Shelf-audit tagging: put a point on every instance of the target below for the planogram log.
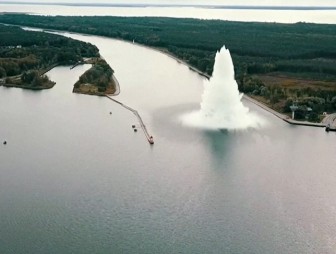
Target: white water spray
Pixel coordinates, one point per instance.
(221, 106)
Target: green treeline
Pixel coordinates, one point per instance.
(34, 78)
(312, 99)
(31, 53)
(256, 47)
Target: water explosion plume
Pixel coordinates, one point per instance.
(221, 106)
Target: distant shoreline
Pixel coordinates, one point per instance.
(200, 6)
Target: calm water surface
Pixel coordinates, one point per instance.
(75, 179)
(282, 16)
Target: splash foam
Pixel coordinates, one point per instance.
(221, 106)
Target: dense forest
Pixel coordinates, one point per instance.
(26, 55)
(256, 47)
(268, 57)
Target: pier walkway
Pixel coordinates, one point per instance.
(143, 126)
(49, 68)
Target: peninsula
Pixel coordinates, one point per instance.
(25, 57)
(98, 80)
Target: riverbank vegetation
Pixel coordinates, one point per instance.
(30, 80)
(25, 56)
(278, 64)
(98, 80)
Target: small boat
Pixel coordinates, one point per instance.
(151, 140)
(5, 142)
(135, 130)
(133, 126)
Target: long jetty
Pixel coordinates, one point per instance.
(143, 126)
(49, 68)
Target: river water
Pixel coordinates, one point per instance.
(75, 179)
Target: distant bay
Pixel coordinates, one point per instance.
(280, 14)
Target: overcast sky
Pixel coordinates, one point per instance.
(223, 2)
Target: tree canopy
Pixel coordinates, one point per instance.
(22, 50)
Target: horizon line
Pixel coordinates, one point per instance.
(204, 6)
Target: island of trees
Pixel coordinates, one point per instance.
(98, 80)
(278, 64)
(25, 57)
